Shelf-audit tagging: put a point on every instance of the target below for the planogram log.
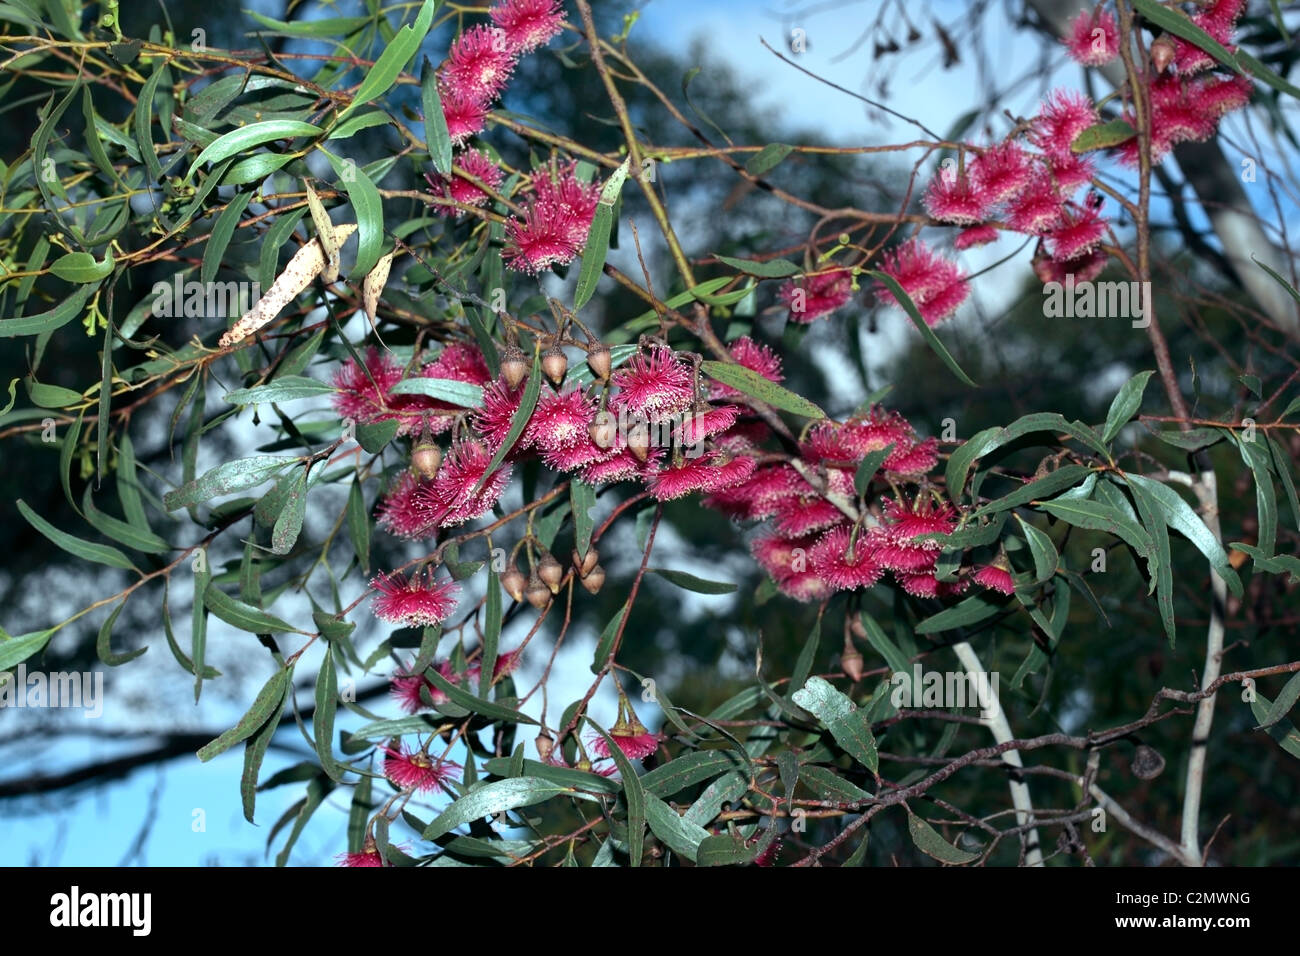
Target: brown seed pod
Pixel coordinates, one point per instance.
(514, 366)
(514, 583)
(603, 430)
(425, 459)
(598, 360)
(545, 745)
(585, 564)
(551, 572)
(1147, 763)
(638, 441)
(851, 661)
(538, 594)
(1162, 52)
(555, 363)
(594, 579)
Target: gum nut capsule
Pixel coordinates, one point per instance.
(551, 572)
(603, 430)
(585, 564)
(555, 364)
(1162, 53)
(514, 366)
(545, 745)
(538, 594)
(594, 579)
(514, 583)
(851, 661)
(598, 360)
(425, 459)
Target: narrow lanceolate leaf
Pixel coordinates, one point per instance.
(226, 478)
(1284, 732)
(369, 207)
(1103, 136)
(325, 235)
(133, 536)
(307, 263)
(678, 834)
(582, 498)
(496, 797)
(81, 548)
(868, 467)
(1099, 516)
(266, 706)
(634, 793)
(286, 388)
(1043, 550)
(243, 616)
(359, 524)
(756, 386)
(597, 246)
(771, 269)
(847, 724)
(288, 525)
(254, 752)
(435, 120)
(929, 842)
(768, 158)
(322, 721)
(1150, 511)
(1178, 514)
(690, 582)
(927, 333)
(104, 642)
(1125, 405)
(246, 138)
(82, 267)
(464, 394)
(380, 77)
(62, 313)
(16, 649)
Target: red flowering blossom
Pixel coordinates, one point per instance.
(415, 770)
(1037, 209)
(492, 420)
(560, 420)
(465, 112)
(1064, 115)
(1093, 39)
(543, 238)
(994, 578)
(401, 512)
(814, 296)
(654, 383)
(621, 465)
(527, 24)
(681, 478)
(903, 558)
(1079, 232)
(357, 397)
(417, 601)
(1069, 173)
(1085, 268)
(704, 421)
(460, 362)
(1219, 20)
(753, 356)
(369, 856)
(905, 522)
(562, 188)
(935, 285)
(912, 461)
(479, 64)
(844, 563)
(460, 189)
(1001, 172)
(634, 746)
(452, 498)
(955, 198)
(980, 235)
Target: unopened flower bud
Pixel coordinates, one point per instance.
(514, 366)
(555, 364)
(594, 579)
(545, 745)
(514, 583)
(425, 459)
(584, 564)
(538, 594)
(1162, 52)
(551, 572)
(598, 360)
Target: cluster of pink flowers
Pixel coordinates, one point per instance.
(408, 689)
(365, 395)
(554, 225)
(475, 73)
